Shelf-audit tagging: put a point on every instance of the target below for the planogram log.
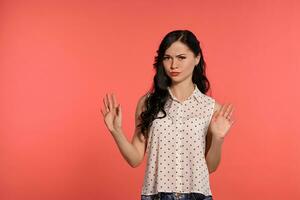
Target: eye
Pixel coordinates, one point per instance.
(181, 58)
(165, 58)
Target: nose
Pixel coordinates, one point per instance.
(174, 64)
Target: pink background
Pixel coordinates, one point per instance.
(58, 60)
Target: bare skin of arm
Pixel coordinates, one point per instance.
(133, 152)
(213, 148)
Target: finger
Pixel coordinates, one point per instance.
(222, 110)
(109, 103)
(228, 111)
(103, 114)
(105, 104)
(114, 100)
(225, 109)
(230, 114)
(215, 115)
(119, 111)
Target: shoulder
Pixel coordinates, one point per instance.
(141, 102)
(217, 106)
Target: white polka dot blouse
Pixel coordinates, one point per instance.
(176, 147)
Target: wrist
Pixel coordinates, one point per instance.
(118, 131)
(218, 139)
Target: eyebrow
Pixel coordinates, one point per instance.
(177, 55)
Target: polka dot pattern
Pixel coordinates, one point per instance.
(176, 147)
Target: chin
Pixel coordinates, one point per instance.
(175, 80)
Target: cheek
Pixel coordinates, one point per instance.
(189, 66)
(166, 64)
(166, 68)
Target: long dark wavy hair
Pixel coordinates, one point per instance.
(158, 94)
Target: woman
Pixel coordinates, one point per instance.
(178, 126)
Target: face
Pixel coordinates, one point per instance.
(179, 58)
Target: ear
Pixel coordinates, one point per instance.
(198, 59)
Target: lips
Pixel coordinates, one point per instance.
(174, 73)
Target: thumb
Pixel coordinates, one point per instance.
(215, 115)
(119, 110)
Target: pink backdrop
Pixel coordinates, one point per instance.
(58, 60)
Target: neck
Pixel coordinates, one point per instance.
(182, 90)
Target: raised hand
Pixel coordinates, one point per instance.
(221, 121)
(112, 114)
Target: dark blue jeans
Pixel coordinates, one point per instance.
(174, 196)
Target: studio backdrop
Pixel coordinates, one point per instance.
(58, 59)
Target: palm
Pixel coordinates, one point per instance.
(112, 114)
(221, 122)
(220, 126)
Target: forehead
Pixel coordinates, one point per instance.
(177, 48)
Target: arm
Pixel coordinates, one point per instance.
(213, 152)
(213, 148)
(133, 152)
(218, 128)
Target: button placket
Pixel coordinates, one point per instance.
(178, 124)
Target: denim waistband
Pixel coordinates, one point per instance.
(174, 195)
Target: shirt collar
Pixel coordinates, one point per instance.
(196, 94)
